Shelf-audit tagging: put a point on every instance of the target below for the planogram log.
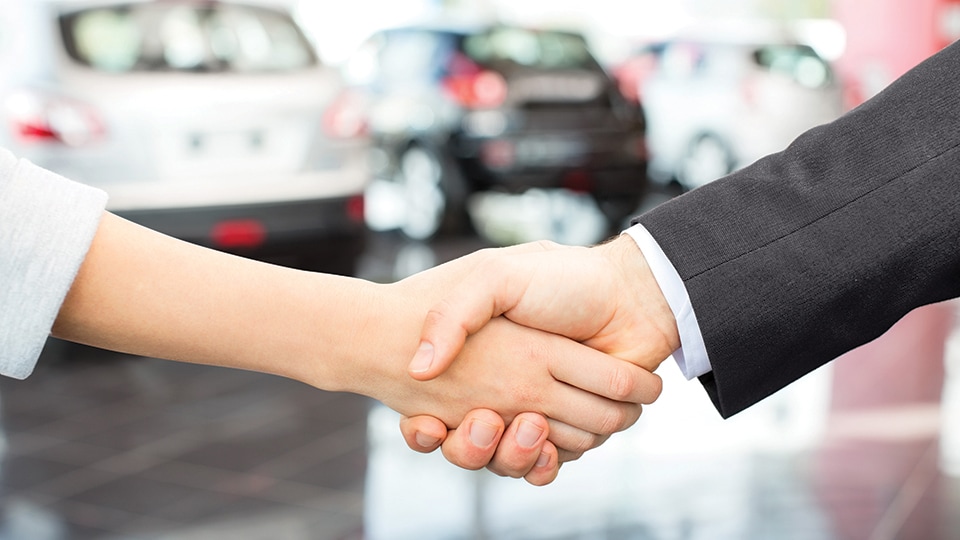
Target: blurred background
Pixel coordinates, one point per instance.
(378, 138)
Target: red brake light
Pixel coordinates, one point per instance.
(38, 118)
(473, 87)
(240, 233)
(356, 208)
(578, 181)
(345, 117)
(486, 89)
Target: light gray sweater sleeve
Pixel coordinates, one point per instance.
(46, 226)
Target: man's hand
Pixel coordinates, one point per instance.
(605, 297)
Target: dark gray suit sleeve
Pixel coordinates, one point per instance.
(821, 248)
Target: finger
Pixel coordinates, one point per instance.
(607, 376)
(572, 441)
(521, 446)
(423, 433)
(473, 444)
(547, 467)
(588, 411)
(492, 290)
(566, 456)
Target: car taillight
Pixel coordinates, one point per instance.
(578, 181)
(473, 87)
(345, 117)
(38, 118)
(484, 90)
(356, 208)
(239, 233)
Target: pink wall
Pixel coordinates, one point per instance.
(885, 38)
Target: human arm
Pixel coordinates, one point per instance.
(46, 225)
(820, 248)
(145, 293)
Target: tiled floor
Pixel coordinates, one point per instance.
(108, 446)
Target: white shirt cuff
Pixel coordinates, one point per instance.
(692, 354)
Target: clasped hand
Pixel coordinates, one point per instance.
(601, 300)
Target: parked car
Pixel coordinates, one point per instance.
(213, 122)
(715, 106)
(457, 111)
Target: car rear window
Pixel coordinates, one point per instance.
(185, 37)
(799, 62)
(536, 49)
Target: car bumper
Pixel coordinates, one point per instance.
(327, 234)
(601, 164)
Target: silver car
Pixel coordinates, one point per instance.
(211, 121)
(714, 106)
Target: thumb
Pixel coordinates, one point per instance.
(487, 292)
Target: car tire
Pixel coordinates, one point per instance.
(427, 183)
(420, 176)
(707, 158)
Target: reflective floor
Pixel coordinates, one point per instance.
(100, 445)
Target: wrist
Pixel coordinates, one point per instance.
(637, 283)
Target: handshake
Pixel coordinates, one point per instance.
(517, 359)
(531, 355)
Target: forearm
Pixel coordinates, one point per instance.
(145, 293)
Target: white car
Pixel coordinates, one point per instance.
(715, 106)
(213, 122)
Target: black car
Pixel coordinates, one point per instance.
(456, 111)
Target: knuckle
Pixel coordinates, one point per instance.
(587, 441)
(566, 456)
(437, 314)
(656, 388)
(614, 419)
(622, 383)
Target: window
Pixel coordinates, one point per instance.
(550, 50)
(184, 37)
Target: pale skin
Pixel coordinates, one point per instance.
(144, 293)
(605, 297)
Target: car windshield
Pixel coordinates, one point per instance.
(537, 49)
(185, 37)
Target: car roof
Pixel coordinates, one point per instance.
(470, 27)
(73, 5)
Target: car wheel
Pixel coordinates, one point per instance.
(420, 177)
(707, 159)
(619, 209)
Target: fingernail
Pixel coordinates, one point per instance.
(543, 460)
(482, 433)
(528, 434)
(426, 441)
(423, 359)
